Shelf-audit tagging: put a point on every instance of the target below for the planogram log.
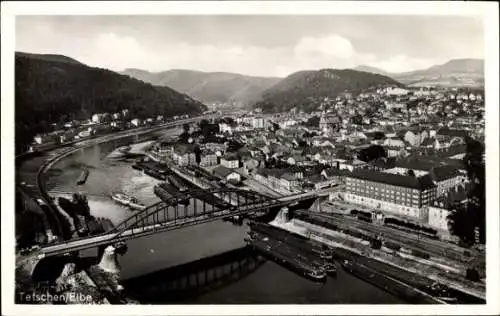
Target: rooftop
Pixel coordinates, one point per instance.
(420, 183)
(445, 172)
(222, 172)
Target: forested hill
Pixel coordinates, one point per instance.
(305, 89)
(53, 88)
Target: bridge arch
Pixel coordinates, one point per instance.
(217, 204)
(168, 215)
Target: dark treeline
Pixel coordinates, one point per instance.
(57, 90)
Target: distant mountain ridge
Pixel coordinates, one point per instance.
(208, 87)
(304, 89)
(54, 88)
(454, 73)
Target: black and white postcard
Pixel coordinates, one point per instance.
(250, 158)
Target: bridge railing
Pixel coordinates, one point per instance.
(169, 211)
(168, 215)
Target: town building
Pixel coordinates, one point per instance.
(446, 178)
(42, 139)
(258, 122)
(136, 122)
(283, 180)
(438, 216)
(225, 128)
(250, 164)
(226, 174)
(396, 91)
(329, 122)
(208, 158)
(183, 155)
(97, 118)
(230, 160)
(398, 195)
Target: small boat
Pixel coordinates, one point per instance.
(124, 149)
(317, 275)
(126, 200)
(83, 177)
(441, 292)
(325, 254)
(330, 268)
(136, 205)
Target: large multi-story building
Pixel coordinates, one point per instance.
(394, 194)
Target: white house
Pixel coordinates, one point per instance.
(258, 122)
(136, 122)
(226, 174)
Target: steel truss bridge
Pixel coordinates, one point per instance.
(204, 206)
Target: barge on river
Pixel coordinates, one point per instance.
(165, 191)
(177, 184)
(284, 255)
(391, 285)
(83, 177)
(298, 241)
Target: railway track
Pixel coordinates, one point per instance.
(431, 246)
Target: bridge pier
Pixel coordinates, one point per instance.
(109, 261)
(100, 251)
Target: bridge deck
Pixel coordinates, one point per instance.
(136, 232)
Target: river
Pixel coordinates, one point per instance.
(193, 252)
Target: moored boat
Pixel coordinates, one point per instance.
(83, 177)
(129, 201)
(124, 149)
(136, 205)
(286, 256)
(155, 174)
(177, 184)
(330, 268)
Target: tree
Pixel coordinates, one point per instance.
(203, 123)
(357, 119)
(378, 135)
(460, 224)
(470, 217)
(197, 152)
(371, 153)
(208, 129)
(312, 121)
(274, 126)
(410, 173)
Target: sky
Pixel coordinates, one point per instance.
(258, 45)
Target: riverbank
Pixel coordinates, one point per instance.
(79, 279)
(408, 268)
